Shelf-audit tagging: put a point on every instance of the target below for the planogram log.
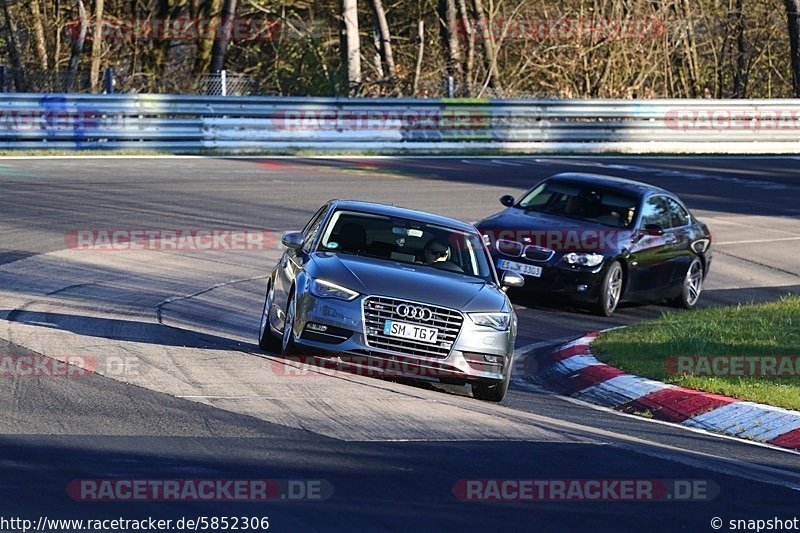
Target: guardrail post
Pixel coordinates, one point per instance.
(109, 81)
(450, 87)
(223, 80)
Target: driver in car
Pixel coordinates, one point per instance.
(435, 252)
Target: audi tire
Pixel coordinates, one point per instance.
(492, 391)
(266, 340)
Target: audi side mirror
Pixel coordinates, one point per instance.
(293, 240)
(507, 200)
(512, 279)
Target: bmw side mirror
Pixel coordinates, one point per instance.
(507, 200)
(512, 279)
(654, 230)
(293, 240)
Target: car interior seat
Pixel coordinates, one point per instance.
(352, 238)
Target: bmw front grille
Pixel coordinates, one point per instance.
(378, 309)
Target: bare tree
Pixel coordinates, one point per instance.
(77, 46)
(206, 9)
(420, 56)
(12, 45)
(97, 42)
(740, 68)
(38, 34)
(220, 47)
(351, 46)
(489, 49)
(793, 16)
(448, 31)
(385, 37)
(469, 33)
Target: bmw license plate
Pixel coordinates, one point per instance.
(410, 331)
(522, 268)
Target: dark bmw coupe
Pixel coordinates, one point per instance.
(601, 240)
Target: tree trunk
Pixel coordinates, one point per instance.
(378, 56)
(97, 43)
(469, 32)
(351, 47)
(793, 15)
(13, 49)
(740, 74)
(489, 50)
(207, 9)
(77, 47)
(385, 38)
(220, 47)
(38, 34)
(448, 31)
(420, 54)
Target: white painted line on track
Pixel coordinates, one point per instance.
(506, 163)
(759, 241)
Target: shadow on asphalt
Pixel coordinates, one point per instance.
(125, 330)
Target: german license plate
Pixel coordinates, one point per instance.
(522, 268)
(394, 328)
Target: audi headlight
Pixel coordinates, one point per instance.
(498, 321)
(326, 289)
(585, 259)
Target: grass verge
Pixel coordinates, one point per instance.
(751, 352)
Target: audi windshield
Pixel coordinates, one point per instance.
(406, 241)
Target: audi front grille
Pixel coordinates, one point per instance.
(377, 310)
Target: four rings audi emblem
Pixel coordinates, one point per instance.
(415, 312)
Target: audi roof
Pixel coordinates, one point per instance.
(394, 211)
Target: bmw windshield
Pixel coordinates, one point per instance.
(406, 241)
(582, 201)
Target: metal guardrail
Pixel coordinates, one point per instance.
(196, 123)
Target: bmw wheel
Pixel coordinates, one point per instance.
(692, 286)
(611, 291)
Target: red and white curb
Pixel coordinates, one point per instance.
(572, 370)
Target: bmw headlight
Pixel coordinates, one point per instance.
(326, 289)
(584, 259)
(498, 321)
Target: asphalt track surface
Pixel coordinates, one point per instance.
(195, 399)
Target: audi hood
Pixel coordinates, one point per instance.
(419, 283)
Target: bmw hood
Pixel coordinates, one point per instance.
(418, 283)
(550, 231)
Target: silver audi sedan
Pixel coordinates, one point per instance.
(400, 292)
